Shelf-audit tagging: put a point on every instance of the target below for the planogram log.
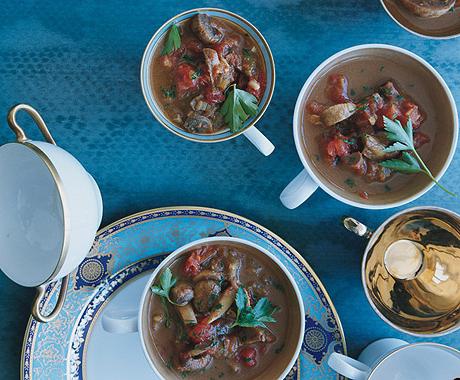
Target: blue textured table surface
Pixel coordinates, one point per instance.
(79, 66)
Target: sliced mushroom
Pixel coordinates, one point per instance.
(181, 293)
(192, 364)
(204, 30)
(206, 294)
(220, 71)
(223, 304)
(337, 113)
(196, 123)
(376, 172)
(233, 270)
(208, 274)
(356, 163)
(259, 335)
(198, 104)
(374, 149)
(187, 314)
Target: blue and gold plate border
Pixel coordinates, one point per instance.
(136, 244)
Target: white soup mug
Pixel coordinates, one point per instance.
(50, 211)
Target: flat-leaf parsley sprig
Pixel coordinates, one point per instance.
(403, 141)
(173, 41)
(257, 316)
(238, 107)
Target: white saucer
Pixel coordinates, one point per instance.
(118, 356)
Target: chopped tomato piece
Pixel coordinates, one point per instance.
(315, 108)
(420, 139)
(248, 356)
(391, 111)
(186, 78)
(410, 110)
(192, 265)
(337, 88)
(213, 95)
(201, 332)
(335, 148)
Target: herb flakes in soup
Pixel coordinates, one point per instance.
(208, 75)
(224, 307)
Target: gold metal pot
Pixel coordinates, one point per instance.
(411, 270)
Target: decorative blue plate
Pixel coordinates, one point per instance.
(128, 249)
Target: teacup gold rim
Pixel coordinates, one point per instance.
(427, 36)
(222, 240)
(63, 202)
(372, 241)
(271, 63)
(297, 126)
(407, 346)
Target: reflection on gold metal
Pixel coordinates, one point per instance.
(416, 288)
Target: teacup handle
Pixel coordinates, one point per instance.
(298, 191)
(22, 137)
(37, 312)
(19, 132)
(120, 321)
(259, 140)
(355, 226)
(348, 367)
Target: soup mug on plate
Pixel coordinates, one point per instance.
(50, 211)
(249, 130)
(431, 92)
(125, 321)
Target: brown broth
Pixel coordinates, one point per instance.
(443, 26)
(163, 77)
(252, 270)
(364, 76)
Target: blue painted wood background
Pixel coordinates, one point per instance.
(78, 64)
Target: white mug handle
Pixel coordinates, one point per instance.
(298, 191)
(259, 141)
(348, 367)
(120, 321)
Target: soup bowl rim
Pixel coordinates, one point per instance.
(147, 59)
(376, 235)
(220, 240)
(298, 125)
(410, 30)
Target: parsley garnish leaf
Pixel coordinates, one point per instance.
(238, 107)
(173, 41)
(403, 141)
(257, 316)
(167, 281)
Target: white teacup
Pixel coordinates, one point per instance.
(127, 321)
(50, 211)
(433, 95)
(396, 359)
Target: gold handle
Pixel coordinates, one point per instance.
(19, 132)
(36, 310)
